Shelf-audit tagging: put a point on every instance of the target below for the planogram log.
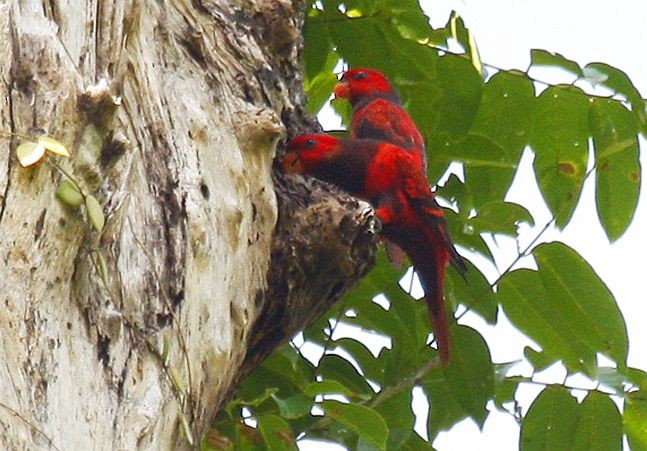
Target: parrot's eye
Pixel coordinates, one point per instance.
(360, 75)
(310, 143)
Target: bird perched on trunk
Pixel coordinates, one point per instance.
(390, 178)
(378, 113)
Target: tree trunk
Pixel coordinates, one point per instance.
(134, 337)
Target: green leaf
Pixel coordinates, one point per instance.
(383, 278)
(445, 410)
(248, 438)
(320, 87)
(364, 421)
(470, 374)
(550, 422)
(293, 407)
(599, 426)
(353, 37)
(543, 58)
(488, 170)
(465, 37)
(539, 360)
(473, 291)
(337, 368)
(68, 192)
(612, 378)
(635, 419)
(617, 81)
(276, 433)
(327, 387)
(506, 111)
(29, 153)
(319, 91)
(566, 308)
(368, 363)
(286, 370)
(614, 79)
(463, 234)
(618, 174)
(409, 348)
(317, 45)
(463, 387)
(559, 138)
(407, 17)
(396, 411)
(500, 217)
(259, 399)
(460, 88)
(637, 376)
(415, 443)
(95, 212)
(504, 390)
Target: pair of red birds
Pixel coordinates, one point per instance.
(385, 164)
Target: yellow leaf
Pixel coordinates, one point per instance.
(29, 153)
(53, 146)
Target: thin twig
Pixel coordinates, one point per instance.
(58, 167)
(31, 426)
(332, 331)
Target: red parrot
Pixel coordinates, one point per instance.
(390, 178)
(378, 112)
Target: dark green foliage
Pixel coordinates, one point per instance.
(556, 421)
(485, 121)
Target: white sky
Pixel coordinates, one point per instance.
(584, 31)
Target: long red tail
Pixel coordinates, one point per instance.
(431, 271)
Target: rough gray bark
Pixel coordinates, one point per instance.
(173, 111)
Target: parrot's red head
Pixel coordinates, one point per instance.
(305, 152)
(362, 83)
